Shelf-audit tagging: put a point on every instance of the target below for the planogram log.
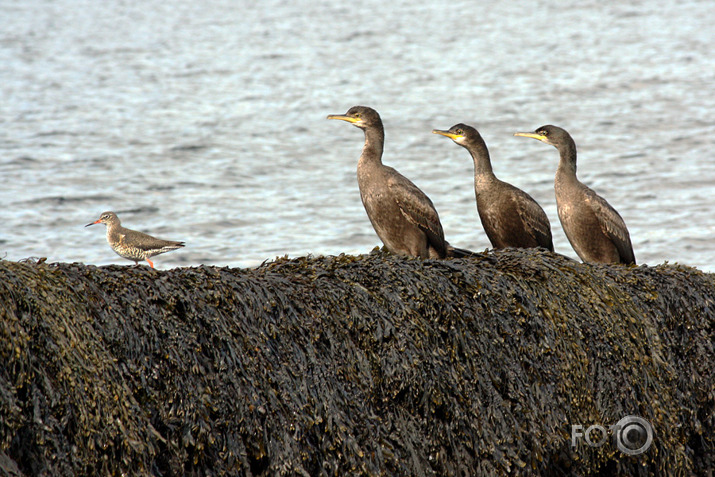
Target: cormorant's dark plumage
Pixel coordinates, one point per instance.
(595, 229)
(402, 215)
(510, 216)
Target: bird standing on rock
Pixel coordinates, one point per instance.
(595, 229)
(133, 245)
(510, 216)
(402, 215)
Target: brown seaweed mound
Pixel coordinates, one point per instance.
(367, 365)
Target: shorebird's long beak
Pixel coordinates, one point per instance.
(92, 223)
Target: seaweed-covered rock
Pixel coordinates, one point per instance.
(367, 365)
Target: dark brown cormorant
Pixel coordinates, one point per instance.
(510, 216)
(130, 244)
(402, 215)
(595, 229)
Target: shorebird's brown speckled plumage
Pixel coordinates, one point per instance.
(133, 245)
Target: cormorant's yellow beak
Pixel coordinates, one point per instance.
(450, 135)
(540, 137)
(342, 117)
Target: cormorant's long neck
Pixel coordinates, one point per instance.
(482, 163)
(374, 143)
(566, 172)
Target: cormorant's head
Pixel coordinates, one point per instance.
(360, 116)
(460, 133)
(549, 134)
(106, 218)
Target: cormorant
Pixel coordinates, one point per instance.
(510, 216)
(402, 215)
(595, 229)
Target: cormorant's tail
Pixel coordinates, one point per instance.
(454, 252)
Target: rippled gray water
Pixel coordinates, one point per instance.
(205, 121)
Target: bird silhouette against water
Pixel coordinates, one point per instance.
(595, 229)
(133, 245)
(402, 215)
(510, 216)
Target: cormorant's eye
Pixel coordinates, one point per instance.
(357, 115)
(460, 132)
(544, 133)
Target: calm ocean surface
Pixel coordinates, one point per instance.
(205, 121)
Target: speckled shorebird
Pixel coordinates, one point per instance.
(133, 245)
(595, 229)
(402, 215)
(510, 216)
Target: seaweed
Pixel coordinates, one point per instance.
(354, 365)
